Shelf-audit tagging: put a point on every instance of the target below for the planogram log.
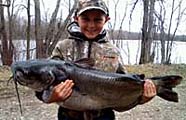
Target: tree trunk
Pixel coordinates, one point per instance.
(162, 40)
(161, 19)
(144, 46)
(6, 48)
(167, 60)
(28, 32)
(151, 32)
(40, 47)
(147, 32)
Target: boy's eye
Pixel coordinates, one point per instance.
(98, 20)
(85, 19)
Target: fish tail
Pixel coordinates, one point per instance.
(168, 94)
(165, 85)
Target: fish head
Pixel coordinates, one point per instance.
(36, 76)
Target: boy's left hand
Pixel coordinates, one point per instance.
(149, 89)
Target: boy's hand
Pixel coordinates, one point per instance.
(149, 91)
(61, 91)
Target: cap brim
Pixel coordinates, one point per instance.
(90, 8)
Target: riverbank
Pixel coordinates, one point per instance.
(33, 109)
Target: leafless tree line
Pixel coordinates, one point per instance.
(155, 22)
(45, 42)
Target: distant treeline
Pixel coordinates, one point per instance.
(125, 35)
(20, 32)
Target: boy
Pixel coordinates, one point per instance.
(88, 40)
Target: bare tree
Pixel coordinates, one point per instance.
(119, 42)
(44, 47)
(51, 27)
(4, 5)
(10, 19)
(62, 28)
(161, 22)
(40, 46)
(132, 10)
(6, 48)
(115, 19)
(28, 30)
(170, 37)
(147, 31)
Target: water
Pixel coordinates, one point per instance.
(130, 51)
(20, 49)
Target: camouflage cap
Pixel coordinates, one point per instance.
(85, 5)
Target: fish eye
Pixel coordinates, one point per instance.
(48, 77)
(19, 70)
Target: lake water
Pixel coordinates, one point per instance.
(130, 51)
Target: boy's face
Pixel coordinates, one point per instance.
(91, 22)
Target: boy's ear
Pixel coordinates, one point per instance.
(107, 19)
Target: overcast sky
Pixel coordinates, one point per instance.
(137, 14)
(49, 5)
(120, 13)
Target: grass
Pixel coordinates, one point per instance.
(157, 69)
(157, 109)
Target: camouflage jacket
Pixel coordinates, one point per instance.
(106, 56)
(77, 46)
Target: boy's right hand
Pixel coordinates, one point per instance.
(61, 91)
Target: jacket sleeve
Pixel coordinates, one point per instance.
(57, 53)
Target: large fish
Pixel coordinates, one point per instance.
(93, 89)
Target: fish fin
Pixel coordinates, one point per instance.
(128, 107)
(77, 89)
(60, 79)
(169, 81)
(165, 85)
(60, 76)
(85, 62)
(168, 94)
(122, 109)
(140, 76)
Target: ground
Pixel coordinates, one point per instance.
(33, 109)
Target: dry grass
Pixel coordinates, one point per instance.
(157, 109)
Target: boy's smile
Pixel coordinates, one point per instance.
(91, 22)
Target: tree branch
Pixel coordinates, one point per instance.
(5, 5)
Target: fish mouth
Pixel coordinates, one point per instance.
(19, 77)
(35, 83)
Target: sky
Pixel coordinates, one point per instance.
(137, 17)
(120, 13)
(47, 7)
